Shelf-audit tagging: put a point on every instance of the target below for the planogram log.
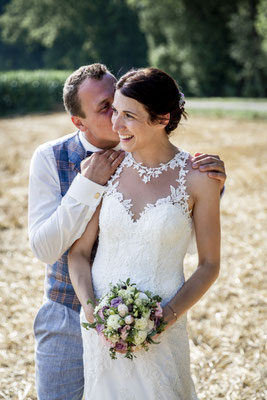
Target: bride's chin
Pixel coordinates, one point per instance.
(129, 147)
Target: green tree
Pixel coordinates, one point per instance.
(75, 33)
(247, 49)
(17, 55)
(191, 41)
(212, 48)
(261, 23)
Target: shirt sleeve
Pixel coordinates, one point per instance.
(55, 222)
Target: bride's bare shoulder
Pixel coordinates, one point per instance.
(199, 182)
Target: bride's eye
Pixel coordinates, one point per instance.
(114, 110)
(129, 116)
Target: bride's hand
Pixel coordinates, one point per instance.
(168, 316)
(88, 311)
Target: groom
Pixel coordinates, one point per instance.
(67, 181)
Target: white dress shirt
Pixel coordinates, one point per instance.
(55, 222)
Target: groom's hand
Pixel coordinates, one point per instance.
(101, 165)
(211, 164)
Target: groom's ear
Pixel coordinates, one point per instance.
(77, 121)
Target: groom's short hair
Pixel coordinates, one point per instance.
(70, 91)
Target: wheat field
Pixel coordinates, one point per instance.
(227, 328)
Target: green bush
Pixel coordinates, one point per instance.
(23, 92)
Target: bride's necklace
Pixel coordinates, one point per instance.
(146, 173)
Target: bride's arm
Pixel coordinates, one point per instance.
(206, 212)
(79, 265)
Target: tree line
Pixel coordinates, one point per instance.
(212, 48)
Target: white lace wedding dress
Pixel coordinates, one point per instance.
(144, 234)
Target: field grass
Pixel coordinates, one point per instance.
(226, 327)
(228, 107)
(229, 114)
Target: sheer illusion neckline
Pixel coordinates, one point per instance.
(177, 196)
(146, 173)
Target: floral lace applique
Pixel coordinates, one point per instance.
(127, 203)
(178, 196)
(146, 173)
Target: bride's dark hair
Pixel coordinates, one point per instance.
(157, 91)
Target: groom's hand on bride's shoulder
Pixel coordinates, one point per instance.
(101, 165)
(212, 164)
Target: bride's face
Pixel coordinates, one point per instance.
(132, 123)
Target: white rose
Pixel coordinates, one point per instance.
(140, 323)
(143, 296)
(122, 292)
(138, 302)
(130, 289)
(128, 319)
(150, 325)
(114, 338)
(122, 310)
(113, 322)
(104, 302)
(140, 337)
(146, 315)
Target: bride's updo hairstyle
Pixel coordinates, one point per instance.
(157, 91)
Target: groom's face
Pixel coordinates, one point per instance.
(96, 97)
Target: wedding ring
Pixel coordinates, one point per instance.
(111, 156)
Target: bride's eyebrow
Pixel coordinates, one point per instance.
(128, 112)
(124, 111)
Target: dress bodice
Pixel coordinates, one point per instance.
(145, 229)
(152, 247)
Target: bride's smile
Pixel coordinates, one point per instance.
(137, 133)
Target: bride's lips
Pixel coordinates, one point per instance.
(125, 138)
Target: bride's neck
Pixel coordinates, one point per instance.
(155, 154)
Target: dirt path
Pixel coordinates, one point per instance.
(226, 327)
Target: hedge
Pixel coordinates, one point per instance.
(23, 92)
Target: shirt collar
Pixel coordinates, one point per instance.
(90, 147)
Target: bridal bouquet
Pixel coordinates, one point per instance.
(127, 318)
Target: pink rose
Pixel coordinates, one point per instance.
(158, 311)
(124, 332)
(121, 345)
(99, 328)
(106, 340)
(101, 312)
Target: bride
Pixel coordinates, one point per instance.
(144, 225)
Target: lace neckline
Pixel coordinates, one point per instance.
(178, 196)
(146, 173)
